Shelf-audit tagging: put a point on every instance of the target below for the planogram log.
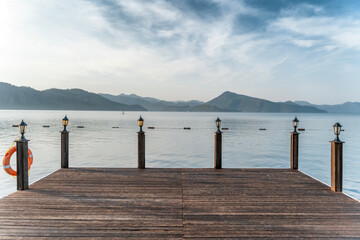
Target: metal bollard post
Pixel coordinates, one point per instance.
(64, 149)
(218, 150)
(22, 165)
(141, 144)
(141, 149)
(294, 147)
(336, 166)
(218, 146)
(65, 144)
(337, 160)
(294, 151)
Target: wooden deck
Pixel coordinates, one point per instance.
(178, 203)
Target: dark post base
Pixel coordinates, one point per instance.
(22, 165)
(218, 150)
(64, 149)
(336, 166)
(141, 150)
(294, 151)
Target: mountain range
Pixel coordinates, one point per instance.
(345, 108)
(13, 97)
(226, 102)
(153, 104)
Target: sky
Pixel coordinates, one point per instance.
(190, 49)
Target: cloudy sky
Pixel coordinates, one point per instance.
(189, 49)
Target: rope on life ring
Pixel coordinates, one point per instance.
(7, 157)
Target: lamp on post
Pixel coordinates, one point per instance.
(294, 146)
(22, 129)
(218, 124)
(22, 174)
(141, 123)
(218, 145)
(141, 144)
(295, 123)
(65, 122)
(65, 144)
(337, 129)
(337, 160)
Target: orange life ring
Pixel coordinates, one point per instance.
(7, 157)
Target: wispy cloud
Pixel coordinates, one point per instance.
(176, 49)
(304, 42)
(340, 32)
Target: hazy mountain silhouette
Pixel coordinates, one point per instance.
(229, 101)
(12, 97)
(153, 104)
(345, 108)
(226, 102)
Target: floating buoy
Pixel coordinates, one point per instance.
(187, 128)
(151, 127)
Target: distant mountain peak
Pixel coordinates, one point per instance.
(303, 103)
(228, 93)
(241, 103)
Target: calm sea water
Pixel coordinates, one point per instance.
(170, 146)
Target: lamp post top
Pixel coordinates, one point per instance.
(141, 124)
(218, 124)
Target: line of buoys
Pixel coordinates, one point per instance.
(185, 128)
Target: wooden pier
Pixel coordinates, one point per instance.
(178, 203)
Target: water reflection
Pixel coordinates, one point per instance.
(98, 144)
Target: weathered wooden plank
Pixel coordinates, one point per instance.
(265, 204)
(178, 203)
(97, 203)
